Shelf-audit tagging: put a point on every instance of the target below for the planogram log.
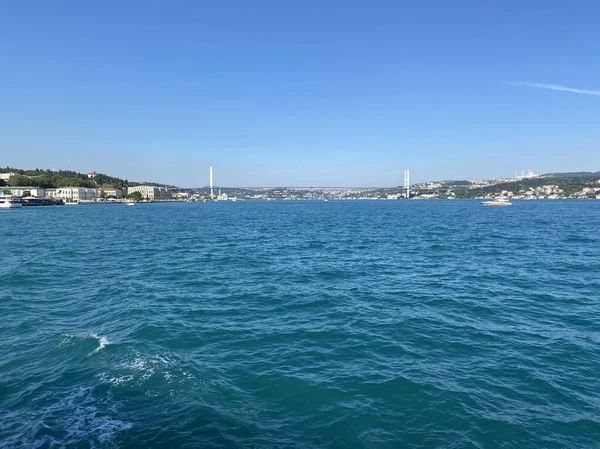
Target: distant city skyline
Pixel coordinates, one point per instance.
(273, 93)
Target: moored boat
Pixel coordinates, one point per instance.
(34, 201)
(497, 202)
(10, 201)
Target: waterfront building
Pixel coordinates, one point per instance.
(38, 192)
(72, 194)
(108, 191)
(151, 192)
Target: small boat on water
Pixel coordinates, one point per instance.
(10, 201)
(129, 203)
(497, 202)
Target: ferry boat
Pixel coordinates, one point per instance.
(34, 201)
(497, 202)
(10, 201)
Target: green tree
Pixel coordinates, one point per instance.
(6, 191)
(75, 182)
(102, 195)
(26, 193)
(136, 196)
(20, 180)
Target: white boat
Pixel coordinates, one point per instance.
(129, 203)
(497, 202)
(10, 201)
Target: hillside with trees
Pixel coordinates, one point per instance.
(570, 183)
(66, 178)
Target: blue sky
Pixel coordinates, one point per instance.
(299, 93)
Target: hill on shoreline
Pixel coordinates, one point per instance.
(46, 178)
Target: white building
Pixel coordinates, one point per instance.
(109, 192)
(72, 194)
(151, 192)
(530, 174)
(33, 191)
(5, 176)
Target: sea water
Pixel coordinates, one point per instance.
(350, 324)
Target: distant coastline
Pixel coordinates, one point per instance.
(579, 185)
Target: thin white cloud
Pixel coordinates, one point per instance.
(557, 87)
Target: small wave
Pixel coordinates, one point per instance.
(160, 370)
(148, 366)
(70, 339)
(115, 379)
(67, 340)
(102, 342)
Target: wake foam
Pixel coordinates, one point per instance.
(102, 342)
(151, 372)
(71, 339)
(81, 418)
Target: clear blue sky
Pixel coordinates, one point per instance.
(299, 92)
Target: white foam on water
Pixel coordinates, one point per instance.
(116, 379)
(67, 340)
(145, 367)
(84, 421)
(102, 342)
(77, 419)
(70, 339)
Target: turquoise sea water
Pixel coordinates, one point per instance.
(375, 324)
